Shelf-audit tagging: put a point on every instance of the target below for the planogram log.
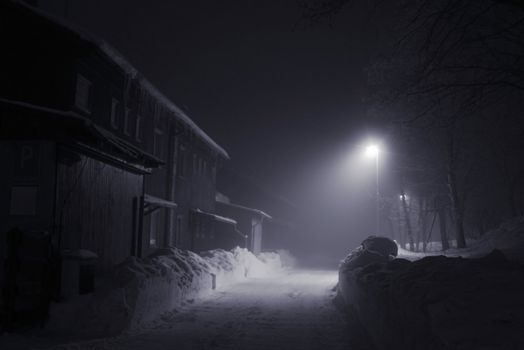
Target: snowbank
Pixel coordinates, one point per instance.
(278, 259)
(436, 302)
(141, 290)
(508, 238)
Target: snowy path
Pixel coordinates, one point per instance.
(291, 311)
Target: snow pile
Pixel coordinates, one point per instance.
(508, 238)
(287, 260)
(159, 283)
(232, 266)
(141, 290)
(436, 302)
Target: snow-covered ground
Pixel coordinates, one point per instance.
(292, 310)
(167, 301)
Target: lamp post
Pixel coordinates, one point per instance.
(373, 151)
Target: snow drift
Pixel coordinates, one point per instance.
(508, 238)
(141, 290)
(439, 302)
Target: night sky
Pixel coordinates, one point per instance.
(280, 94)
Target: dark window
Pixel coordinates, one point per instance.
(195, 164)
(127, 122)
(82, 93)
(138, 128)
(181, 162)
(153, 229)
(23, 200)
(114, 110)
(179, 220)
(158, 146)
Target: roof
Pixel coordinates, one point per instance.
(116, 57)
(42, 122)
(124, 146)
(216, 217)
(241, 207)
(159, 201)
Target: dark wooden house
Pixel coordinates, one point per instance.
(94, 157)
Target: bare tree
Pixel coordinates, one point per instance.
(450, 62)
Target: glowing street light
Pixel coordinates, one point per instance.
(372, 151)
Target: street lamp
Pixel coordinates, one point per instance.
(372, 151)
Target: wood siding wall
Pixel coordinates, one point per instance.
(95, 208)
(26, 163)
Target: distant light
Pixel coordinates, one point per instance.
(403, 197)
(372, 151)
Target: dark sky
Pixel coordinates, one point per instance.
(278, 93)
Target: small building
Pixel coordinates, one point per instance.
(250, 222)
(213, 231)
(94, 157)
(281, 231)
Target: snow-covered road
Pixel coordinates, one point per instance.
(289, 311)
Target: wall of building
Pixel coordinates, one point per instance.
(248, 222)
(96, 207)
(195, 181)
(43, 67)
(26, 189)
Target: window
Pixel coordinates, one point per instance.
(178, 239)
(181, 162)
(127, 115)
(23, 200)
(198, 229)
(203, 229)
(153, 229)
(114, 108)
(158, 149)
(82, 93)
(138, 128)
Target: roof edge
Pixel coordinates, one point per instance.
(116, 57)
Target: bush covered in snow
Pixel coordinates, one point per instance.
(437, 302)
(143, 289)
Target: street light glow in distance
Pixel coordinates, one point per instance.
(372, 151)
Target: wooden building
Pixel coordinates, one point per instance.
(249, 221)
(281, 232)
(93, 155)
